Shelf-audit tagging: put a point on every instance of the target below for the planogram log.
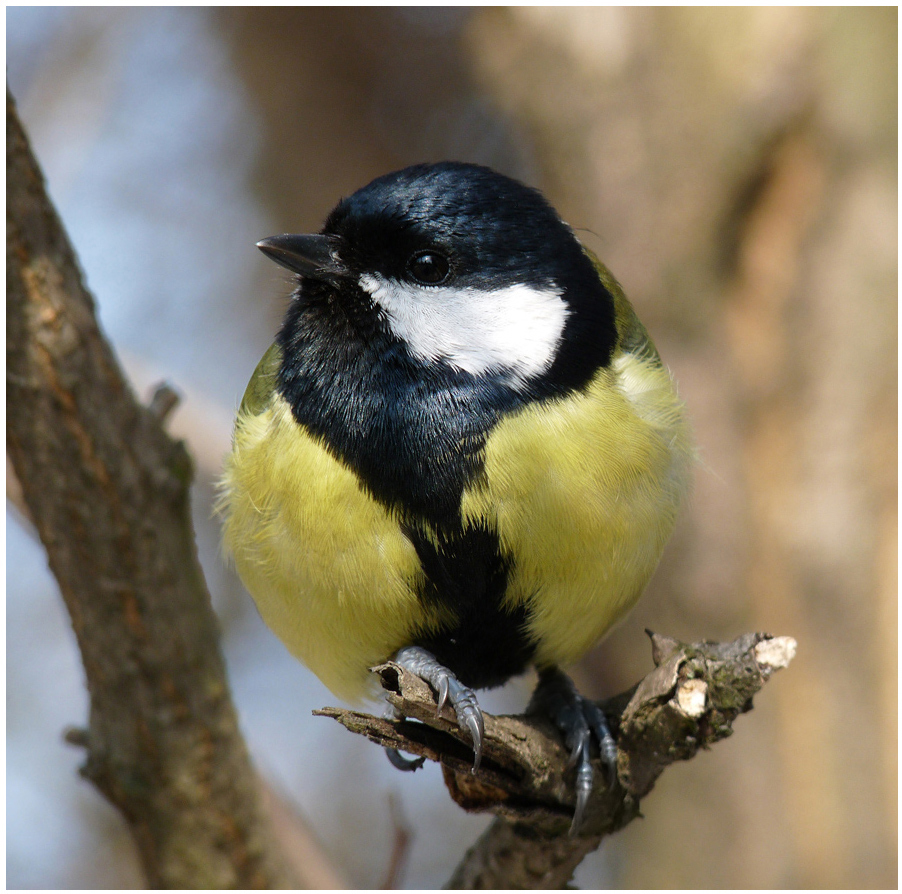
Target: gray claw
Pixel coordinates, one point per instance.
(442, 694)
(580, 720)
(395, 758)
(477, 731)
(584, 780)
(475, 728)
(469, 715)
(580, 746)
(608, 749)
(448, 689)
(407, 764)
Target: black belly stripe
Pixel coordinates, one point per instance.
(467, 573)
(414, 433)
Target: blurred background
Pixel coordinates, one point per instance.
(735, 168)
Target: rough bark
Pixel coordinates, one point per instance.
(686, 704)
(108, 492)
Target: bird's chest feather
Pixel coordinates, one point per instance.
(583, 492)
(329, 567)
(561, 519)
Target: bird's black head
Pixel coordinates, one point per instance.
(434, 301)
(484, 231)
(462, 268)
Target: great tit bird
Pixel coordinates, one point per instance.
(462, 452)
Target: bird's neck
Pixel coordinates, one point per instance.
(413, 431)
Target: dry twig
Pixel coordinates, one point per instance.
(688, 702)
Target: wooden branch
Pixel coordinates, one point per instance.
(688, 702)
(108, 492)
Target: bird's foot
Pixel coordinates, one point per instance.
(448, 690)
(396, 759)
(579, 720)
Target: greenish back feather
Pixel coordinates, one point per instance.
(260, 389)
(632, 336)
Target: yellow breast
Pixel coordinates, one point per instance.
(584, 493)
(329, 568)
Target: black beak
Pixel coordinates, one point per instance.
(313, 256)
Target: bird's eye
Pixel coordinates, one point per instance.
(428, 267)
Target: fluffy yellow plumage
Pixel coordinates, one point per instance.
(582, 490)
(463, 451)
(329, 568)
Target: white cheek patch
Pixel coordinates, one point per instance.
(513, 331)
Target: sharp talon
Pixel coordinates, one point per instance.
(580, 748)
(442, 694)
(477, 732)
(581, 801)
(447, 689)
(608, 749)
(408, 765)
(583, 726)
(469, 716)
(584, 780)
